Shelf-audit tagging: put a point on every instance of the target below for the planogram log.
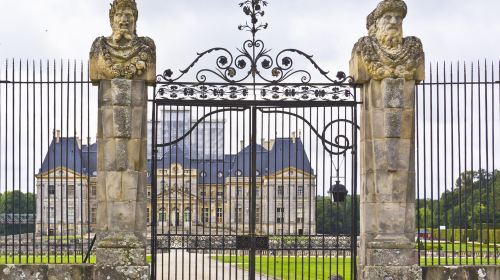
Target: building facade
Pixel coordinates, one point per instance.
(192, 193)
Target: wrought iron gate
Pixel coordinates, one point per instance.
(249, 163)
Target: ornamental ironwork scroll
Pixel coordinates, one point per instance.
(253, 73)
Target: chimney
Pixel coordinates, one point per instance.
(300, 133)
(293, 137)
(56, 133)
(268, 145)
(78, 141)
(242, 144)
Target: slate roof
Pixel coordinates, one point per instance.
(64, 152)
(286, 152)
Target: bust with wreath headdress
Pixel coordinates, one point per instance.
(123, 54)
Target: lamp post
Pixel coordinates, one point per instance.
(338, 191)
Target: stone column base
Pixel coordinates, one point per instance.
(385, 272)
(121, 272)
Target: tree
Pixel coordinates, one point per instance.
(17, 202)
(335, 218)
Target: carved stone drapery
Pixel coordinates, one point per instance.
(371, 61)
(123, 55)
(134, 61)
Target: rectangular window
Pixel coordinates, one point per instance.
(71, 214)
(300, 215)
(220, 195)
(147, 214)
(280, 191)
(239, 215)
(52, 213)
(93, 215)
(71, 191)
(206, 215)
(219, 215)
(240, 191)
(300, 190)
(257, 215)
(52, 190)
(93, 190)
(280, 215)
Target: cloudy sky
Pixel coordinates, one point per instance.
(449, 29)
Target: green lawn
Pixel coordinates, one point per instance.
(46, 259)
(315, 268)
(457, 247)
(43, 259)
(457, 261)
(289, 267)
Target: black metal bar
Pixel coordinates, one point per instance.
(253, 193)
(87, 254)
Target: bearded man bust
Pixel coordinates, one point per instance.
(384, 53)
(123, 54)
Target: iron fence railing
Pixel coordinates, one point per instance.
(457, 164)
(47, 161)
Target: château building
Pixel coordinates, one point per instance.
(193, 194)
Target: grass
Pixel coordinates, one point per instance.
(457, 261)
(457, 247)
(316, 268)
(290, 267)
(54, 259)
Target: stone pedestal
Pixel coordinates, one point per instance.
(387, 206)
(121, 180)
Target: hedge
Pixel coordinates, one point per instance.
(464, 235)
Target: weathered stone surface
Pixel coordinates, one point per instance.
(121, 256)
(392, 124)
(392, 257)
(384, 53)
(388, 65)
(123, 54)
(121, 154)
(122, 122)
(121, 272)
(47, 272)
(393, 92)
(391, 272)
(461, 272)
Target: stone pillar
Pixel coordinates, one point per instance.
(121, 179)
(388, 66)
(122, 65)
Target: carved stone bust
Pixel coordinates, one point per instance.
(384, 53)
(123, 54)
